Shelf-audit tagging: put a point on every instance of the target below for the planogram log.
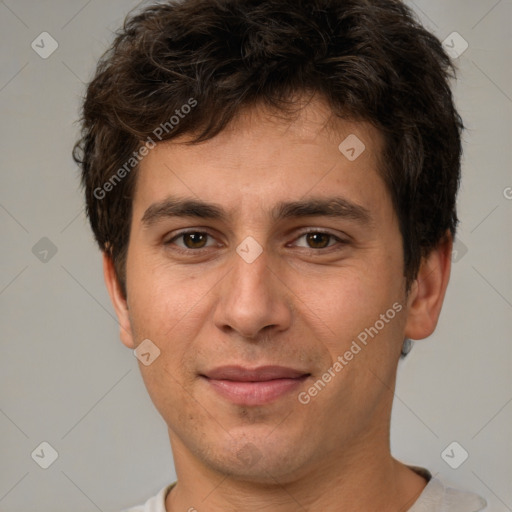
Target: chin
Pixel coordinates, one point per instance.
(260, 462)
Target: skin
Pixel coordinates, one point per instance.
(300, 304)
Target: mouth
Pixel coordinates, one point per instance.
(257, 386)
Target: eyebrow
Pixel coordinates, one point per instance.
(323, 207)
(178, 207)
(337, 207)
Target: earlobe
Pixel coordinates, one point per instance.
(428, 291)
(118, 301)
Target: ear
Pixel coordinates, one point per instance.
(428, 290)
(118, 301)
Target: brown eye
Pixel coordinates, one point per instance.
(189, 240)
(194, 240)
(318, 240)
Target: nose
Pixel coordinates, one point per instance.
(253, 300)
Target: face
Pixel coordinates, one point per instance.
(266, 265)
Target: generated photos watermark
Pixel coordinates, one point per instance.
(363, 338)
(137, 156)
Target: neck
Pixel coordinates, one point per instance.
(363, 477)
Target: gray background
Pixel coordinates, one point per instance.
(66, 378)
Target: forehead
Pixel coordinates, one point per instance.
(265, 157)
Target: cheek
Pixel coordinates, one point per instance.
(342, 297)
(362, 303)
(160, 296)
(170, 309)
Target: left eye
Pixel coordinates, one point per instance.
(318, 240)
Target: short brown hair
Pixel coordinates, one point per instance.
(370, 60)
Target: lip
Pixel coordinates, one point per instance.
(254, 386)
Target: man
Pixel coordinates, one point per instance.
(273, 188)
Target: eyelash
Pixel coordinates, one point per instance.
(339, 241)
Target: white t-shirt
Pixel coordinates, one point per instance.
(436, 497)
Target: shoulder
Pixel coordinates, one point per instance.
(153, 504)
(465, 501)
(439, 497)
